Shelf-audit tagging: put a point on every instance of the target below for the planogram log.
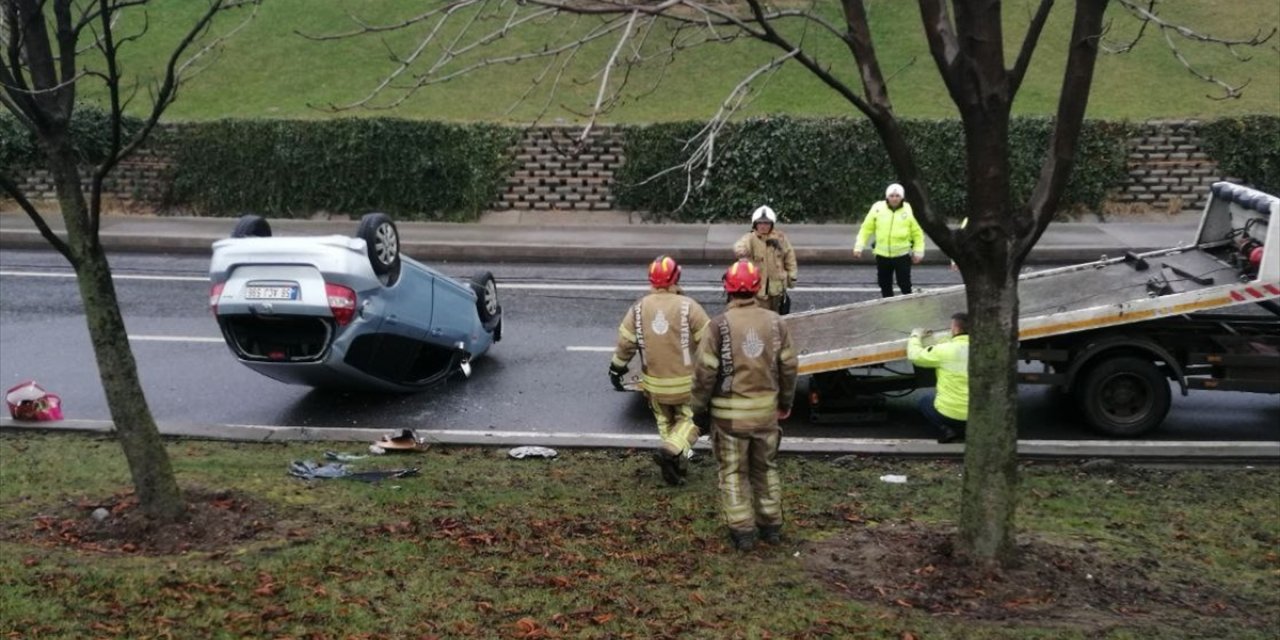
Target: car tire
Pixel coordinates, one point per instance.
(251, 226)
(382, 239)
(1124, 396)
(487, 306)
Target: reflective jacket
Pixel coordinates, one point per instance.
(896, 232)
(665, 328)
(777, 266)
(951, 359)
(746, 368)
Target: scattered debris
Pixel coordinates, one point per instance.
(100, 514)
(407, 440)
(893, 479)
(342, 457)
(521, 453)
(309, 470)
(29, 401)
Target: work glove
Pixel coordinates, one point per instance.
(773, 243)
(615, 377)
(917, 333)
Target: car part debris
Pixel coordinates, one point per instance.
(407, 440)
(29, 401)
(521, 453)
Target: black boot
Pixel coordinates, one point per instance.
(951, 435)
(668, 465)
(771, 534)
(743, 540)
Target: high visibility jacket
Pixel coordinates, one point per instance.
(896, 232)
(746, 368)
(951, 359)
(664, 327)
(777, 266)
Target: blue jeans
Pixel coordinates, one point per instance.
(940, 422)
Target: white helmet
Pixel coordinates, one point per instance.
(895, 188)
(763, 214)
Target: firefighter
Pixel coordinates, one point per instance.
(948, 411)
(746, 370)
(664, 327)
(899, 240)
(770, 251)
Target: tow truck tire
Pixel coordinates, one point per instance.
(1124, 396)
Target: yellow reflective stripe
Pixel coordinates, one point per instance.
(786, 354)
(741, 414)
(659, 384)
(759, 402)
(619, 362)
(626, 333)
(710, 359)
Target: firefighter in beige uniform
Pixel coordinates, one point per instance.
(770, 251)
(746, 369)
(664, 327)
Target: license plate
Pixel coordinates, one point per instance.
(271, 292)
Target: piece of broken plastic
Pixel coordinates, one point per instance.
(342, 457)
(309, 470)
(521, 453)
(407, 440)
(893, 479)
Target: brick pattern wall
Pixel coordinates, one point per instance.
(1168, 170)
(554, 172)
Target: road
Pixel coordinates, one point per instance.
(548, 373)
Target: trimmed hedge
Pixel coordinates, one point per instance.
(1247, 148)
(411, 169)
(832, 170)
(90, 129)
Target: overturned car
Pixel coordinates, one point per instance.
(347, 312)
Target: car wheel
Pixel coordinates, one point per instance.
(1124, 396)
(382, 238)
(251, 226)
(487, 306)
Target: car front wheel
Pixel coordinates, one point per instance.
(487, 306)
(383, 241)
(251, 226)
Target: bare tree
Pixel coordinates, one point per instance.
(42, 66)
(967, 43)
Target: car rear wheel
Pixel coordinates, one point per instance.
(487, 306)
(383, 241)
(251, 226)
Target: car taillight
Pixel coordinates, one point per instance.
(215, 292)
(342, 303)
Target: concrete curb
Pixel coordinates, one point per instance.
(1128, 449)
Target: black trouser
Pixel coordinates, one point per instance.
(885, 270)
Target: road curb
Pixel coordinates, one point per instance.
(1128, 449)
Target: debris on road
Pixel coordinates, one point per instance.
(521, 453)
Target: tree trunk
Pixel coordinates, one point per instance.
(989, 494)
(149, 466)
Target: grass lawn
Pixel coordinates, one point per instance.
(591, 545)
(268, 70)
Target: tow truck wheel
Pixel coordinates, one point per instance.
(1124, 396)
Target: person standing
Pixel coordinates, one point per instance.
(948, 409)
(746, 371)
(664, 327)
(898, 238)
(770, 251)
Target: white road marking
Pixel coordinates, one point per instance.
(174, 339)
(117, 276)
(511, 286)
(590, 349)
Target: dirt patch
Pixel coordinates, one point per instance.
(912, 566)
(214, 521)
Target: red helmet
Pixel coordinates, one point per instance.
(742, 277)
(664, 272)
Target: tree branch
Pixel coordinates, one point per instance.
(11, 188)
(1029, 46)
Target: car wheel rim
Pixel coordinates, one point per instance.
(491, 298)
(386, 244)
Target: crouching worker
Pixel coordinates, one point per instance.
(948, 410)
(746, 370)
(664, 327)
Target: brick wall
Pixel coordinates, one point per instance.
(1168, 170)
(554, 171)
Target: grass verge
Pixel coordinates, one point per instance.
(592, 545)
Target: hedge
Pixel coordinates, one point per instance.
(832, 170)
(413, 170)
(1246, 148)
(90, 132)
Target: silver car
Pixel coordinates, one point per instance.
(347, 312)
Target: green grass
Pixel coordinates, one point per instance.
(588, 545)
(267, 70)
